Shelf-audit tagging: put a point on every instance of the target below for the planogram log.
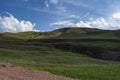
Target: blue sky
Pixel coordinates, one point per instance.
(47, 15)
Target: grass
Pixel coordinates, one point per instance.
(105, 36)
(64, 33)
(37, 54)
(62, 63)
(89, 72)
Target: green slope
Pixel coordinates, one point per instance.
(60, 62)
(104, 36)
(21, 35)
(65, 33)
(65, 52)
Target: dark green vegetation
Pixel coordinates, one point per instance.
(73, 52)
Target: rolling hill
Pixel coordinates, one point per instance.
(81, 53)
(102, 44)
(65, 33)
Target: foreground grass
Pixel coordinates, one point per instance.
(91, 72)
(62, 63)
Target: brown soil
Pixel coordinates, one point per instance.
(11, 72)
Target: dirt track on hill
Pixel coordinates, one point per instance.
(11, 72)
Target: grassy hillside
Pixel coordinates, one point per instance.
(86, 40)
(66, 33)
(102, 44)
(60, 62)
(79, 53)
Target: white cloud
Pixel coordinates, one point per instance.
(46, 3)
(116, 15)
(114, 21)
(78, 17)
(98, 23)
(64, 23)
(74, 16)
(12, 24)
(54, 1)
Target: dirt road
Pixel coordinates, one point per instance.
(11, 72)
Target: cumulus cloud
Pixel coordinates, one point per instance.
(98, 23)
(12, 24)
(111, 23)
(116, 15)
(114, 21)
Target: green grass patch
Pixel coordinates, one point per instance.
(105, 36)
(63, 63)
